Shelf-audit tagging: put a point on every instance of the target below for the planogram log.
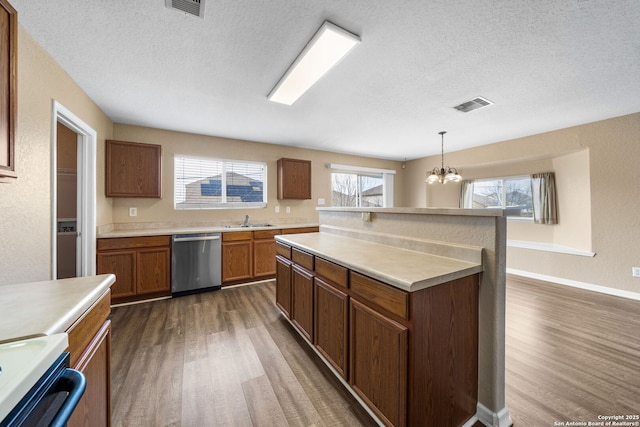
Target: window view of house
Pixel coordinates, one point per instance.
(211, 183)
(357, 190)
(512, 194)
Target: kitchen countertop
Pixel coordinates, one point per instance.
(170, 230)
(48, 307)
(402, 268)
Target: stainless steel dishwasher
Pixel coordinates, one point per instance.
(195, 263)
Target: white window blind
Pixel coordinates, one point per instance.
(202, 183)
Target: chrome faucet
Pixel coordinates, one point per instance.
(246, 221)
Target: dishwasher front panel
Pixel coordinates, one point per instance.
(195, 263)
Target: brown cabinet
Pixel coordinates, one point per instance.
(90, 351)
(237, 256)
(248, 255)
(133, 169)
(302, 300)
(264, 253)
(412, 357)
(283, 284)
(294, 179)
(142, 266)
(8, 89)
(330, 312)
(379, 362)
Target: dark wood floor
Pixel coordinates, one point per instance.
(571, 354)
(224, 358)
(229, 358)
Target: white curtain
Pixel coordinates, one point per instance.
(543, 194)
(466, 194)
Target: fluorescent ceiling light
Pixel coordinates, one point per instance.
(327, 47)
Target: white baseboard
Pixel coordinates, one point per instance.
(494, 419)
(576, 284)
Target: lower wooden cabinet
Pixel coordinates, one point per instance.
(411, 357)
(283, 284)
(379, 362)
(330, 315)
(302, 300)
(237, 256)
(90, 352)
(142, 266)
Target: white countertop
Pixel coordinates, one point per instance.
(48, 307)
(405, 269)
(171, 230)
(23, 363)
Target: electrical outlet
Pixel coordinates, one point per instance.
(277, 209)
(287, 209)
(635, 271)
(133, 211)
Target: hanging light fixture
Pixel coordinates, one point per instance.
(441, 174)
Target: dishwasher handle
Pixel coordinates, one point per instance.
(195, 238)
(73, 382)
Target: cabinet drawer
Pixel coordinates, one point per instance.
(237, 235)
(300, 230)
(265, 234)
(84, 329)
(133, 242)
(302, 258)
(283, 250)
(385, 296)
(334, 272)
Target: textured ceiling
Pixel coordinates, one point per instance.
(546, 64)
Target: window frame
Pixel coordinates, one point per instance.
(223, 175)
(385, 174)
(504, 194)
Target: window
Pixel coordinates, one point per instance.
(512, 194)
(201, 183)
(354, 186)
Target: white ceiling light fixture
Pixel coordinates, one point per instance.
(441, 174)
(327, 47)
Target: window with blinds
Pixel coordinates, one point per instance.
(201, 183)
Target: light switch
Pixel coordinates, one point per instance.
(133, 211)
(287, 209)
(277, 208)
(320, 202)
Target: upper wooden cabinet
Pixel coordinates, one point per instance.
(294, 179)
(133, 169)
(8, 89)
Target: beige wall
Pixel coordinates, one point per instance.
(177, 143)
(26, 203)
(596, 167)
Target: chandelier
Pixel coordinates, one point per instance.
(441, 174)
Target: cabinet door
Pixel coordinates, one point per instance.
(94, 408)
(264, 257)
(236, 260)
(8, 89)
(294, 179)
(379, 362)
(133, 169)
(302, 300)
(330, 322)
(283, 285)
(123, 265)
(153, 274)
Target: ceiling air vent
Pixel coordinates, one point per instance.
(474, 104)
(192, 7)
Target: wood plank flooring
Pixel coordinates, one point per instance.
(571, 354)
(229, 358)
(224, 358)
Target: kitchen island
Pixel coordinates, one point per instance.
(80, 308)
(406, 306)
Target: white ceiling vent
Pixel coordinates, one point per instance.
(192, 7)
(474, 104)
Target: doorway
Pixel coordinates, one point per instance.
(73, 195)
